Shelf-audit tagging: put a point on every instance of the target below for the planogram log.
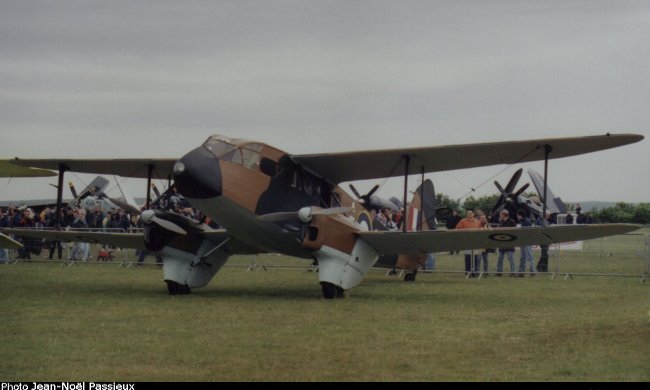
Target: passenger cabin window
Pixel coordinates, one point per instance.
(336, 199)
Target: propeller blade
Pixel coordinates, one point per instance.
(330, 211)
(124, 205)
(169, 226)
(372, 191)
(356, 193)
(302, 214)
(521, 190)
(513, 181)
(155, 190)
(149, 216)
(73, 190)
(501, 190)
(278, 217)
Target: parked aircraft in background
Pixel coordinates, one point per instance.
(512, 200)
(270, 201)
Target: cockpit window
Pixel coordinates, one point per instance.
(218, 147)
(251, 154)
(233, 156)
(237, 151)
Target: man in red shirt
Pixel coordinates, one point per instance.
(469, 222)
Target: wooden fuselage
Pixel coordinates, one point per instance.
(258, 179)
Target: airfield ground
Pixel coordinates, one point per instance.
(98, 321)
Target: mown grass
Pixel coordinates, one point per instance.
(101, 322)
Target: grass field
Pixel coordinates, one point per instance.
(102, 322)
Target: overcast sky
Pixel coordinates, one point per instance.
(154, 79)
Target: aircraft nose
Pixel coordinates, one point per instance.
(198, 175)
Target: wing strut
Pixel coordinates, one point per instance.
(407, 160)
(59, 197)
(147, 204)
(547, 150)
(422, 199)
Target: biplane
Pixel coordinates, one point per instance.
(267, 200)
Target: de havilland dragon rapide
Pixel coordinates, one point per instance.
(269, 201)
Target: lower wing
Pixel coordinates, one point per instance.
(8, 243)
(397, 243)
(121, 240)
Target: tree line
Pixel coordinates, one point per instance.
(620, 213)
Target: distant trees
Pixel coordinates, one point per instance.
(620, 213)
(484, 203)
(623, 213)
(443, 200)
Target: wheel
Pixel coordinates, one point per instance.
(175, 288)
(331, 291)
(410, 276)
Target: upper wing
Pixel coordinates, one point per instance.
(122, 240)
(7, 169)
(340, 167)
(161, 168)
(8, 243)
(396, 243)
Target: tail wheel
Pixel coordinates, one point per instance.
(410, 276)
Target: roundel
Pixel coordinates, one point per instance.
(502, 237)
(363, 219)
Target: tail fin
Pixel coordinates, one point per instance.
(96, 188)
(422, 212)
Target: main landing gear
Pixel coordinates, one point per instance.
(331, 291)
(175, 288)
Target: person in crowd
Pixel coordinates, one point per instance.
(79, 248)
(506, 221)
(526, 250)
(53, 245)
(452, 221)
(25, 222)
(390, 224)
(569, 219)
(542, 264)
(430, 262)
(469, 222)
(4, 223)
(482, 219)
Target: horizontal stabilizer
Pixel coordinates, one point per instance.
(398, 243)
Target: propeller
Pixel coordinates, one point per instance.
(149, 216)
(73, 190)
(305, 214)
(124, 205)
(509, 197)
(513, 181)
(365, 198)
(521, 190)
(155, 189)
